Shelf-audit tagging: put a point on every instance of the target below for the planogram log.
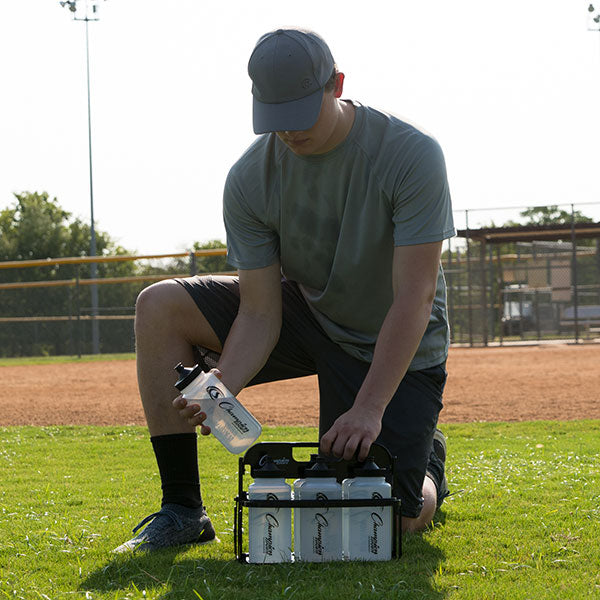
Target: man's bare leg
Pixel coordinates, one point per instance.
(167, 326)
(429, 507)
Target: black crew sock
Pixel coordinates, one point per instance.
(177, 458)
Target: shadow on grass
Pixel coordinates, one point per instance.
(183, 573)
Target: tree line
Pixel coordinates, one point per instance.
(35, 226)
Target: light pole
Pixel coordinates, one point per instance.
(74, 7)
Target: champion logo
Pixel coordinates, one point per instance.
(321, 522)
(272, 523)
(306, 83)
(277, 461)
(214, 392)
(322, 496)
(235, 420)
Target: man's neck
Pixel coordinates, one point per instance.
(346, 120)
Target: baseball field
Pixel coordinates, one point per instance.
(546, 382)
(523, 427)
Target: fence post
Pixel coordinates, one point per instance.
(598, 265)
(71, 345)
(500, 293)
(536, 306)
(469, 282)
(483, 292)
(78, 312)
(574, 275)
(192, 263)
(450, 287)
(492, 312)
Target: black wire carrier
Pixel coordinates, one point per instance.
(281, 453)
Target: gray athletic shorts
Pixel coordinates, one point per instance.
(304, 349)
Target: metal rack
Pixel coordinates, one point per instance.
(282, 454)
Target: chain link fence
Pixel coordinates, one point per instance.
(513, 275)
(535, 278)
(46, 309)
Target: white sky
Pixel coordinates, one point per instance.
(510, 89)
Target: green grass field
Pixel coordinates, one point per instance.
(43, 360)
(524, 521)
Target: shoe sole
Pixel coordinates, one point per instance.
(144, 548)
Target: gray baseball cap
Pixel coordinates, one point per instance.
(289, 69)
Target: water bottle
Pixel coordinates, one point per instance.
(298, 483)
(229, 421)
(367, 531)
(269, 529)
(318, 531)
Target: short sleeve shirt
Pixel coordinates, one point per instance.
(334, 219)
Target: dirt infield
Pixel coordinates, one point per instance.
(485, 384)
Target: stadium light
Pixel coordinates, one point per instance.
(85, 8)
(594, 18)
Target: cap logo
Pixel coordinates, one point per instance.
(306, 83)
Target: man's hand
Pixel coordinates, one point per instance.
(191, 411)
(354, 430)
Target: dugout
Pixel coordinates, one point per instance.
(526, 282)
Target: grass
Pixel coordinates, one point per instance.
(524, 521)
(44, 360)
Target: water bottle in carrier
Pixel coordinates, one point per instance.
(232, 424)
(298, 483)
(367, 531)
(269, 529)
(318, 531)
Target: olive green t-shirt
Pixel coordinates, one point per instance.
(333, 220)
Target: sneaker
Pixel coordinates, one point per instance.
(173, 525)
(436, 469)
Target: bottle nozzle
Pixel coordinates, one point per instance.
(186, 375)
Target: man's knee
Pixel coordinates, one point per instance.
(166, 309)
(427, 511)
(158, 303)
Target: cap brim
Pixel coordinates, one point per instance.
(297, 115)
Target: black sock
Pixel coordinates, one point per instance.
(177, 458)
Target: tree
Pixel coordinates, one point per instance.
(211, 264)
(37, 227)
(203, 264)
(552, 215)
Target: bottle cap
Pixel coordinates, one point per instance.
(369, 469)
(186, 375)
(319, 468)
(267, 469)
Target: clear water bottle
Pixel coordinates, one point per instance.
(367, 531)
(233, 425)
(269, 529)
(318, 531)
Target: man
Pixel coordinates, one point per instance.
(335, 219)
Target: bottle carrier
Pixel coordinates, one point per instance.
(281, 453)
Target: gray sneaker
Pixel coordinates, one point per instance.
(173, 525)
(437, 466)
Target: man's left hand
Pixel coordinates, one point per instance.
(354, 430)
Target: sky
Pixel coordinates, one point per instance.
(510, 90)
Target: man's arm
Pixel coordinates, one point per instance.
(256, 328)
(415, 270)
(251, 339)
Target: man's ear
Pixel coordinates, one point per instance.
(339, 85)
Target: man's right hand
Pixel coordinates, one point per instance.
(192, 412)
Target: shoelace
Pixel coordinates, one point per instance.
(167, 512)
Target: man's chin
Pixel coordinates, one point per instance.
(302, 148)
